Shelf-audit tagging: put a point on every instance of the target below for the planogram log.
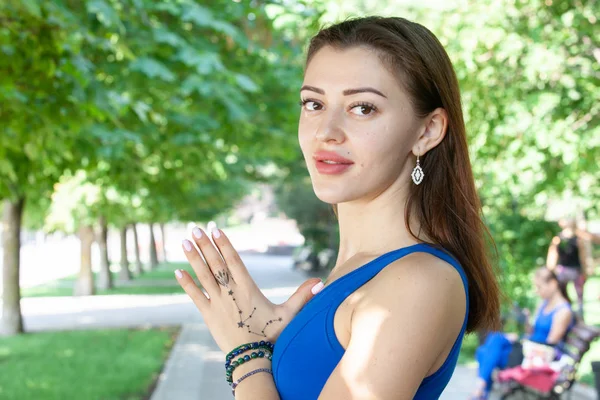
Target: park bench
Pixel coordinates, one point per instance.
(577, 343)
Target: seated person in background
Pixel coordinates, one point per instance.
(553, 320)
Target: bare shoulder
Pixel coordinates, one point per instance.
(404, 323)
(422, 275)
(564, 314)
(421, 291)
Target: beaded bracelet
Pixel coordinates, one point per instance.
(249, 346)
(230, 368)
(256, 371)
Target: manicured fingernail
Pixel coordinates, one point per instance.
(178, 274)
(197, 233)
(216, 233)
(187, 245)
(317, 288)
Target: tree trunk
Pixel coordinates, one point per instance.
(163, 242)
(84, 286)
(124, 274)
(153, 255)
(12, 321)
(139, 270)
(105, 278)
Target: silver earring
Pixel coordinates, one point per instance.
(417, 174)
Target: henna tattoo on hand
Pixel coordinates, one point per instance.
(243, 321)
(223, 277)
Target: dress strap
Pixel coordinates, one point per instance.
(563, 305)
(350, 282)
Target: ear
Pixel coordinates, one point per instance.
(433, 131)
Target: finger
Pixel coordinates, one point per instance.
(192, 290)
(232, 258)
(204, 274)
(218, 268)
(303, 294)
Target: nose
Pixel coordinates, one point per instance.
(331, 128)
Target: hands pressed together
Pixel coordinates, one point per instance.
(234, 309)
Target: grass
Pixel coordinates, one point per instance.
(139, 285)
(592, 317)
(165, 271)
(103, 364)
(47, 291)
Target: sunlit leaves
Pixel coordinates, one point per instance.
(246, 83)
(104, 12)
(152, 69)
(165, 36)
(149, 98)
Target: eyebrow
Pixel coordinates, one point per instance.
(346, 92)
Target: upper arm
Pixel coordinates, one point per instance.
(560, 323)
(408, 320)
(552, 257)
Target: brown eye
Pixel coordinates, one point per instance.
(363, 109)
(311, 105)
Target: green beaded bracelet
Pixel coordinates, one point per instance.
(249, 346)
(230, 368)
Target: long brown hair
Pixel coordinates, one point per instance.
(446, 202)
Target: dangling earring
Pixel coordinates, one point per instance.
(417, 174)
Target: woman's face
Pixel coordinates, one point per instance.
(544, 287)
(355, 108)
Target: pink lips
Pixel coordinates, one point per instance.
(336, 165)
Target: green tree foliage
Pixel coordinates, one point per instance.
(530, 78)
(43, 80)
(529, 73)
(166, 109)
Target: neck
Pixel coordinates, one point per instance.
(374, 226)
(555, 299)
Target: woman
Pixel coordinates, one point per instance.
(565, 256)
(383, 137)
(553, 319)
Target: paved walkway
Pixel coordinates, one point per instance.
(194, 369)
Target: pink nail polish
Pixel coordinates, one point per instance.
(197, 233)
(187, 245)
(216, 233)
(178, 274)
(317, 288)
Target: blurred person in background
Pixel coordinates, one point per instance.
(552, 321)
(566, 257)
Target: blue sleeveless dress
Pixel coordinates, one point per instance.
(307, 351)
(543, 323)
